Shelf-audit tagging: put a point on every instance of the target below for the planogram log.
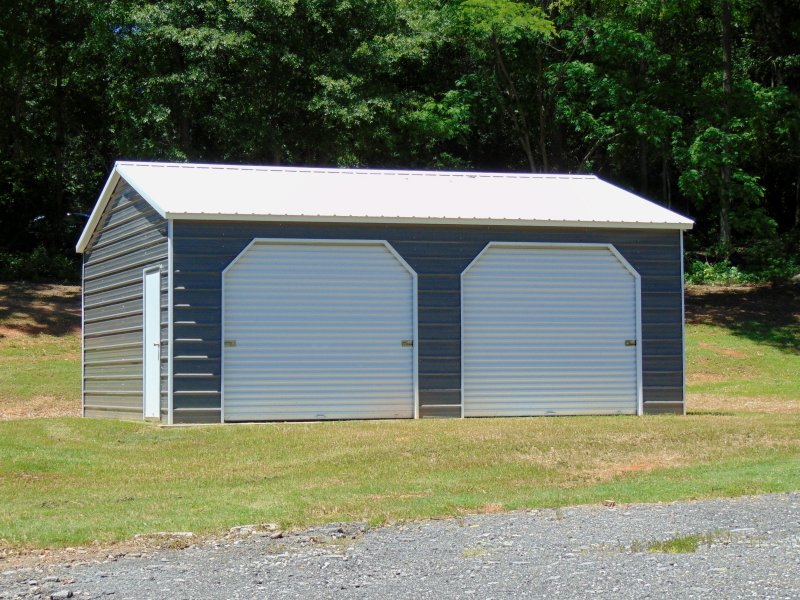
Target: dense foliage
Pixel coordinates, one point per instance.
(693, 103)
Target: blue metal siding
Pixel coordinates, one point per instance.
(130, 237)
(202, 249)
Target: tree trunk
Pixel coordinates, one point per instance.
(797, 201)
(641, 86)
(543, 121)
(642, 165)
(518, 116)
(727, 90)
(666, 187)
(58, 59)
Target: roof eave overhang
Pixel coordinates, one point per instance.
(102, 202)
(427, 221)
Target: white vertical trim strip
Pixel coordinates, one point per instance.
(638, 283)
(83, 337)
(170, 321)
(461, 316)
(414, 322)
(683, 329)
(222, 346)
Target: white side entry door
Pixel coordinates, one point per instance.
(152, 344)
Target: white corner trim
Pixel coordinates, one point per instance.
(170, 324)
(683, 330)
(83, 339)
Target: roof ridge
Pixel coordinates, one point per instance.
(356, 171)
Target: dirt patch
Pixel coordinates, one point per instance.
(692, 378)
(400, 496)
(39, 308)
(606, 471)
(718, 404)
(723, 351)
(16, 558)
(39, 406)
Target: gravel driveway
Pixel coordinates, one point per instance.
(750, 549)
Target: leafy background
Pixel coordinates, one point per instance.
(692, 103)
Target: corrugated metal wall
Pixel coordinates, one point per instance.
(202, 249)
(545, 332)
(315, 331)
(130, 237)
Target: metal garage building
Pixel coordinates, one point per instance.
(214, 292)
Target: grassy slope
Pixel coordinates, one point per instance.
(743, 349)
(73, 481)
(39, 350)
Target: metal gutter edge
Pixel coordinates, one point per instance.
(423, 221)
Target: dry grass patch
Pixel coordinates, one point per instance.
(39, 406)
(716, 403)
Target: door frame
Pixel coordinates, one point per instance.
(145, 272)
(329, 242)
(566, 245)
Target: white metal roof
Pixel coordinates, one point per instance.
(196, 191)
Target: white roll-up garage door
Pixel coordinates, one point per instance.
(318, 330)
(550, 330)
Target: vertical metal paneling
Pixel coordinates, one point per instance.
(315, 330)
(438, 254)
(545, 330)
(130, 237)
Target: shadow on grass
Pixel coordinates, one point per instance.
(765, 314)
(39, 308)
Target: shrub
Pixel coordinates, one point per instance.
(723, 272)
(39, 265)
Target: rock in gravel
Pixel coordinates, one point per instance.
(61, 595)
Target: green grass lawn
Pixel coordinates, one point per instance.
(39, 350)
(38, 373)
(70, 481)
(743, 350)
(738, 367)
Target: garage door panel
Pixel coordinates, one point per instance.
(314, 331)
(545, 330)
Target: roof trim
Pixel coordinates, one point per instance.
(422, 221)
(357, 171)
(120, 172)
(102, 202)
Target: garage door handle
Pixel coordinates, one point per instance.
(407, 343)
(630, 342)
